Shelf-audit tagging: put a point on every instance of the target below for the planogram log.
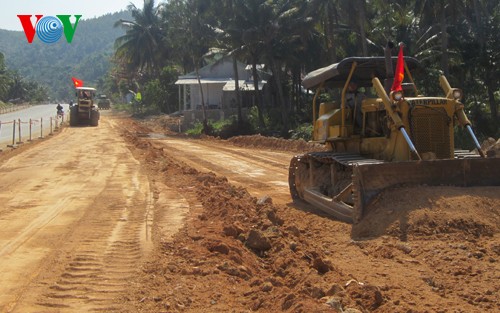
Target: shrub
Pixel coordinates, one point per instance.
(303, 131)
(223, 128)
(232, 128)
(127, 107)
(196, 130)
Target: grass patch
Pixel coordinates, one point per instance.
(123, 107)
(223, 128)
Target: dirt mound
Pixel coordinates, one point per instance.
(171, 125)
(276, 143)
(163, 124)
(470, 212)
(491, 147)
(244, 253)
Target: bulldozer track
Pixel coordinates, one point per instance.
(346, 159)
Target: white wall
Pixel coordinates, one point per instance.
(212, 94)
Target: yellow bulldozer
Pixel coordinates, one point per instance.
(85, 111)
(390, 139)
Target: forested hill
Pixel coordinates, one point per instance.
(53, 65)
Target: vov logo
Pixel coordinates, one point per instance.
(49, 28)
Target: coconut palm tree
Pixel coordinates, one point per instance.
(142, 46)
(243, 33)
(190, 34)
(276, 32)
(286, 38)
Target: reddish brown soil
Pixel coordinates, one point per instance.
(428, 249)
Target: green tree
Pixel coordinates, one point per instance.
(476, 39)
(142, 47)
(236, 20)
(36, 93)
(192, 35)
(327, 29)
(5, 80)
(17, 88)
(284, 43)
(162, 92)
(440, 14)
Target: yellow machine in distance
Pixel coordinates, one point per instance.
(84, 111)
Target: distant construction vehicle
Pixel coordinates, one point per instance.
(104, 103)
(390, 139)
(84, 111)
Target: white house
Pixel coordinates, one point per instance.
(218, 85)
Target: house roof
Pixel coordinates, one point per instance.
(222, 68)
(221, 72)
(194, 81)
(243, 85)
(228, 83)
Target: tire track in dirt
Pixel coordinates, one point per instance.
(103, 265)
(33, 227)
(96, 240)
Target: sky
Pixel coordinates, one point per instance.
(87, 8)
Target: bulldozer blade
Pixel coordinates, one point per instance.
(371, 179)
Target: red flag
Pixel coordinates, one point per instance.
(77, 82)
(399, 74)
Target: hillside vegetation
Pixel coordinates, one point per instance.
(87, 57)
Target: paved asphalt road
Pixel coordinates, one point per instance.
(36, 113)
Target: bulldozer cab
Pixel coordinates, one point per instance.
(378, 125)
(85, 95)
(360, 118)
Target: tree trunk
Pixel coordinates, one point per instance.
(205, 123)
(484, 56)
(255, 76)
(330, 35)
(276, 68)
(237, 89)
(361, 22)
(444, 42)
(296, 90)
(479, 26)
(491, 96)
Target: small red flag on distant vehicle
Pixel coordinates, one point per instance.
(399, 74)
(77, 82)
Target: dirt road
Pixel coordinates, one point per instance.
(121, 218)
(77, 214)
(263, 174)
(73, 222)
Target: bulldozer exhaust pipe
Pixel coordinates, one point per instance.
(476, 142)
(410, 144)
(389, 71)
